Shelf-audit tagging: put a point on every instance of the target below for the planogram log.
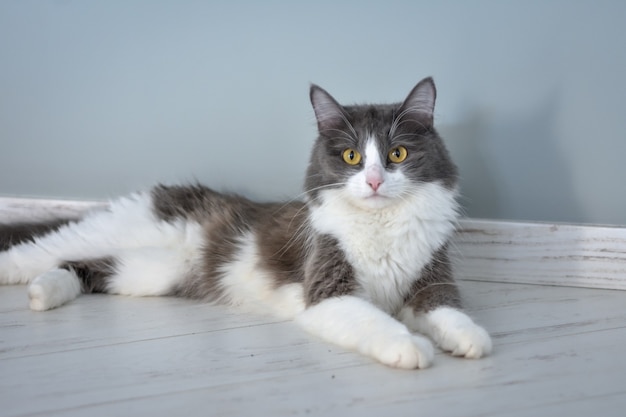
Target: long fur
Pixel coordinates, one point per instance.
(361, 259)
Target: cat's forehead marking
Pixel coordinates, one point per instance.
(372, 153)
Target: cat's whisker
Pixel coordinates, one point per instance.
(300, 231)
(330, 199)
(299, 196)
(392, 130)
(304, 222)
(303, 227)
(399, 117)
(318, 198)
(344, 135)
(331, 185)
(304, 194)
(289, 202)
(422, 125)
(347, 122)
(398, 120)
(397, 137)
(454, 250)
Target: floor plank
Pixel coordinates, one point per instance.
(557, 350)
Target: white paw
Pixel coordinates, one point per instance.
(405, 351)
(456, 333)
(52, 289)
(472, 341)
(354, 323)
(37, 294)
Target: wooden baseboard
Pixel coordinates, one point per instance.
(34, 209)
(486, 250)
(540, 253)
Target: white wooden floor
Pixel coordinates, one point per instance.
(558, 351)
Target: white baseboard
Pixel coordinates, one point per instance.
(541, 253)
(33, 209)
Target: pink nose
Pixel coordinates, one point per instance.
(374, 177)
(375, 183)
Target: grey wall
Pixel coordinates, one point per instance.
(101, 98)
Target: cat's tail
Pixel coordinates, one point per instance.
(12, 234)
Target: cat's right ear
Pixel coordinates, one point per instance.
(328, 112)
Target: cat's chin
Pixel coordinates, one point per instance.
(374, 202)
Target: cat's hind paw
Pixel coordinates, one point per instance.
(53, 289)
(406, 352)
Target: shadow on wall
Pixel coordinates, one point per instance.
(479, 191)
(513, 168)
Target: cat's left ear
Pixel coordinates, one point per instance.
(420, 103)
(328, 112)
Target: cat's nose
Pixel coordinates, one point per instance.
(375, 183)
(374, 177)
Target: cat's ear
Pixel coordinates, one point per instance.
(419, 105)
(328, 112)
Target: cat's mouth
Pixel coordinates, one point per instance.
(376, 200)
(375, 195)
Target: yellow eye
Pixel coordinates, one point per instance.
(351, 156)
(397, 155)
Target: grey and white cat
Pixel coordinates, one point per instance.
(361, 263)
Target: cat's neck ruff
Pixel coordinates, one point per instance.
(389, 246)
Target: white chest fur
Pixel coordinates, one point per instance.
(389, 246)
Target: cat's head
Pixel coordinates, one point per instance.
(376, 155)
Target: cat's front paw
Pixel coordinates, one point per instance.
(456, 333)
(471, 342)
(406, 352)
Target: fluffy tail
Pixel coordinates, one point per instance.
(12, 234)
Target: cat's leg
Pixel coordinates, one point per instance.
(124, 250)
(149, 271)
(91, 237)
(128, 223)
(355, 324)
(337, 315)
(60, 285)
(451, 329)
(153, 271)
(434, 309)
(244, 282)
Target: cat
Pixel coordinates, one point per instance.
(362, 262)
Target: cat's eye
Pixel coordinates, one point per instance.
(351, 156)
(397, 154)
